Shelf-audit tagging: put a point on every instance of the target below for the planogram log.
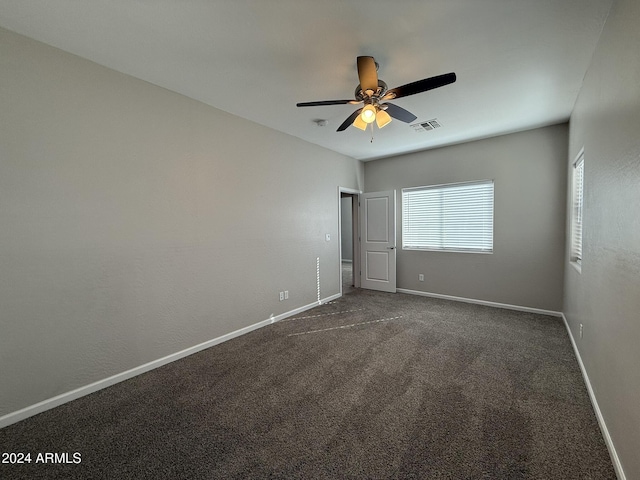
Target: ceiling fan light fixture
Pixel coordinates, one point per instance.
(371, 91)
(382, 118)
(368, 114)
(360, 123)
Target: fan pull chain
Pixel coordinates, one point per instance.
(371, 132)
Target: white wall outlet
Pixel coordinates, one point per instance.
(421, 277)
(281, 296)
(286, 294)
(327, 237)
(581, 330)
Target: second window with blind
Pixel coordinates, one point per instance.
(576, 211)
(455, 217)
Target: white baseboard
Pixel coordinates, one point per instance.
(507, 306)
(58, 400)
(326, 300)
(298, 310)
(594, 402)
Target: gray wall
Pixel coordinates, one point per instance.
(526, 268)
(346, 205)
(605, 297)
(136, 222)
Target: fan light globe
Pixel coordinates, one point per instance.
(382, 118)
(359, 123)
(368, 113)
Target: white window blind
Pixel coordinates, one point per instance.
(453, 217)
(578, 200)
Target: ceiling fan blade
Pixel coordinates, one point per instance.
(326, 102)
(367, 73)
(349, 120)
(420, 86)
(400, 113)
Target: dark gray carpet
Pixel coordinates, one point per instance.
(372, 385)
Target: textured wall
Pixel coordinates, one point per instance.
(605, 297)
(526, 267)
(136, 222)
(347, 228)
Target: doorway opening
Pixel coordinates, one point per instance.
(349, 240)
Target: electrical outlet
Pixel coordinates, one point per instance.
(581, 330)
(327, 237)
(286, 294)
(281, 296)
(421, 277)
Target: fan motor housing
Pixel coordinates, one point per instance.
(362, 96)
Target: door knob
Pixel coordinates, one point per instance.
(391, 248)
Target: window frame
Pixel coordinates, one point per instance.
(449, 249)
(577, 211)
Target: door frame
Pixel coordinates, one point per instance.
(355, 237)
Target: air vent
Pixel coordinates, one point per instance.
(426, 126)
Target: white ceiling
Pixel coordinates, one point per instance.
(519, 63)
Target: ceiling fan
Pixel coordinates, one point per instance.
(372, 92)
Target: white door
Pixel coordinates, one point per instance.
(378, 241)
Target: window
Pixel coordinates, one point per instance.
(576, 210)
(455, 217)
